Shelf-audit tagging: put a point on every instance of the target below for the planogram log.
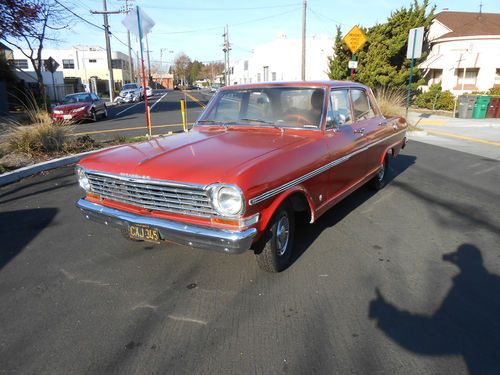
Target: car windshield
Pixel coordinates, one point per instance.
(267, 106)
(129, 86)
(77, 98)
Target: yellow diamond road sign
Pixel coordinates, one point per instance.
(355, 39)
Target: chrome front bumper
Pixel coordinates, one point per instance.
(226, 241)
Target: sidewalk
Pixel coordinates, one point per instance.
(475, 136)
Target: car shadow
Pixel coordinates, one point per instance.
(467, 322)
(18, 228)
(306, 234)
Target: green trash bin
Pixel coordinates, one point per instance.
(481, 107)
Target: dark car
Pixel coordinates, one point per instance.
(80, 106)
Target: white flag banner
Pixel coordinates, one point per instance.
(132, 24)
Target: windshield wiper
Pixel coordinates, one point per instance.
(214, 122)
(257, 120)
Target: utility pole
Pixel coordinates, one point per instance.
(149, 63)
(126, 10)
(226, 49)
(303, 67)
(105, 13)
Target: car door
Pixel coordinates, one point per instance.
(345, 144)
(369, 126)
(98, 103)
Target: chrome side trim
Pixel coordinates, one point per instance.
(223, 240)
(284, 187)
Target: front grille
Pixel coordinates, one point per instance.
(167, 197)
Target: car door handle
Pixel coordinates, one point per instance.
(360, 131)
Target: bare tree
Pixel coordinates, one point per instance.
(50, 17)
(182, 65)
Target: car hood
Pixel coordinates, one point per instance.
(70, 106)
(198, 157)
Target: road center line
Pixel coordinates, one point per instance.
(194, 99)
(158, 101)
(126, 109)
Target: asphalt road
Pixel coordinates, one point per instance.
(405, 280)
(129, 119)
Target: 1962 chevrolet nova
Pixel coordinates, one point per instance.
(257, 156)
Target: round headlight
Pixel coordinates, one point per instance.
(227, 200)
(82, 178)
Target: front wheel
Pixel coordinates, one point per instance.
(381, 178)
(274, 249)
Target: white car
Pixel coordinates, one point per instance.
(149, 91)
(131, 92)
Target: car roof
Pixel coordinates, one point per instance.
(325, 83)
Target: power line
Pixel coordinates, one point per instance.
(323, 17)
(76, 15)
(222, 9)
(232, 25)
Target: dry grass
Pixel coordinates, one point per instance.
(391, 101)
(36, 134)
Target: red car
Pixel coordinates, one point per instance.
(79, 107)
(258, 155)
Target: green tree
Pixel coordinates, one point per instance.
(337, 64)
(195, 71)
(383, 62)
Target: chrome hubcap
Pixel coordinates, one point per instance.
(282, 235)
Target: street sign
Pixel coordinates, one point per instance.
(355, 39)
(50, 65)
(415, 41)
(132, 20)
(353, 64)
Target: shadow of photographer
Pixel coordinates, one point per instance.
(467, 323)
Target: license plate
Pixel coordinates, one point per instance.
(67, 117)
(144, 233)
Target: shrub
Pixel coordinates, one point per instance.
(36, 138)
(494, 91)
(435, 99)
(391, 101)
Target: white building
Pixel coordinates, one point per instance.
(87, 64)
(280, 60)
(465, 51)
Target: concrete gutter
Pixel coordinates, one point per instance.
(19, 174)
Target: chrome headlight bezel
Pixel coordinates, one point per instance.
(83, 180)
(216, 193)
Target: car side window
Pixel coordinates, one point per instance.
(339, 109)
(361, 105)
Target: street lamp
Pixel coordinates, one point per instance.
(161, 63)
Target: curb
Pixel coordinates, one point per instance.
(19, 174)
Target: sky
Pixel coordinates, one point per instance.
(195, 27)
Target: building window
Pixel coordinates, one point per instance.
(92, 60)
(497, 78)
(468, 82)
(273, 76)
(117, 64)
(245, 65)
(258, 77)
(266, 73)
(436, 76)
(68, 64)
(21, 64)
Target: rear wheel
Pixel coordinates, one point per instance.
(274, 250)
(381, 178)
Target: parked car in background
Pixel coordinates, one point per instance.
(258, 155)
(149, 91)
(131, 92)
(78, 107)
